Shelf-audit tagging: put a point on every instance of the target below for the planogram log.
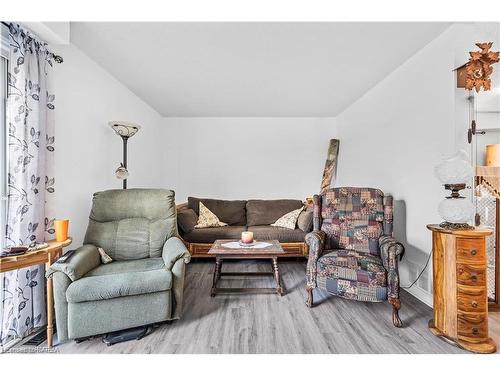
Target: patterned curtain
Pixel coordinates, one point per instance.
(30, 120)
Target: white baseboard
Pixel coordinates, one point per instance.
(421, 295)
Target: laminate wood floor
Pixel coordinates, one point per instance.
(268, 323)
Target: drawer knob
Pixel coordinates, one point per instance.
(473, 252)
(474, 304)
(473, 277)
(475, 331)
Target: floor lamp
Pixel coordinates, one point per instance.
(125, 130)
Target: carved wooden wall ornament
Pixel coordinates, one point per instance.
(479, 68)
(330, 166)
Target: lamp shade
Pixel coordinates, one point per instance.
(454, 169)
(124, 129)
(121, 172)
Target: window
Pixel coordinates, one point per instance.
(3, 154)
(3, 136)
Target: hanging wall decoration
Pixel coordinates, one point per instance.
(476, 73)
(330, 165)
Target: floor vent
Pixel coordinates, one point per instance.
(37, 339)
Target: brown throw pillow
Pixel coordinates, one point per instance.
(305, 221)
(187, 220)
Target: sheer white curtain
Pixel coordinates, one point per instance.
(30, 121)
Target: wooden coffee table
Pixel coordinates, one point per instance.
(271, 252)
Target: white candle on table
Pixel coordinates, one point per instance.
(247, 237)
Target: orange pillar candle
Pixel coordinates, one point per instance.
(247, 237)
(61, 228)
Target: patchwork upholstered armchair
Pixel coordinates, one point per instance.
(352, 253)
(144, 283)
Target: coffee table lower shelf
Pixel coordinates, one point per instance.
(215, 289)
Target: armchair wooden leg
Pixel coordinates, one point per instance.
(309, 301)
(396, 305)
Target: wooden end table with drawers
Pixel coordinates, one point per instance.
(460, 288)
(271, 252)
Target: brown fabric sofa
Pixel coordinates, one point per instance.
(254, 215)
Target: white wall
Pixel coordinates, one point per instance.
(247, 157)
(87, 149)
(487, 121)
(280, 157)
(50, 32)
(394, 135)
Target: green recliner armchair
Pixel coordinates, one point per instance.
(144, 284)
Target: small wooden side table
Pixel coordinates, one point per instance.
(45, 256)
(460, 295)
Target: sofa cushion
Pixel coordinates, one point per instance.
(305, 221)
(230, 212)
(132, 223)
(266, 212)
(209, 235)
(124, 239)
(349, 289)
(267, 232)
(107, 286)
(352, 275)
(353, 219)
(358, 235)
(353, 266)
(187, 219)
(139, 265)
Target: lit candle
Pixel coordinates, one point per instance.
(247, 237)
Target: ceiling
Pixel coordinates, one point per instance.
(251, 69)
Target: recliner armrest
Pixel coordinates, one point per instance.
(173, 250)
(85, 259)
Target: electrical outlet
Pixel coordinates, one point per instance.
(413, 272)
(423, 282)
